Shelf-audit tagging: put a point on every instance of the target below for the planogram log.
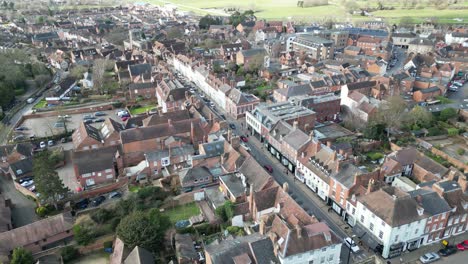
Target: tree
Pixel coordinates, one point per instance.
(256, 63)
(99, 71)
(351, 6)
(225, 211)
(69, 253)
(447, 114)
(206, 21)
(12, 5)
(46, 179)
(21, 256)
(174, 33)
(78, 71)
(391, 113)
(144, 229)
(419, 117)
(406, 21)
(83, 234)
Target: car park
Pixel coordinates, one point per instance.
(99, 200)
(114, 195)
(429, 257)
(447, 251)
(351, 245)
(42, 144)
(268, 168)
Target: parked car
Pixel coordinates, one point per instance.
(429, 257)
(50, 143)
(202, 95)
(125, 118)
(99, 200)
(351, 245)
(30, 100)
(192, 91)
(223, 117)
(99, 120)
(268, 168)
(59, 124)
(243, 138)
(27, 183)
(24, 179)
(21, 128)
(232, 126)
(120, 113)
(82, 204)
(18, 138)
(64, 116)
(463, 245)
(245, 146)
(447, 251)
(88, 121)
(42, 144)
(99, 114)
(114, 195)
(88, 117)
(212, 104)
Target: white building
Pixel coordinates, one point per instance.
(390, 221)
(456, 38)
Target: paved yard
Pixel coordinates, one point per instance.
(451, 145)
(44, 126)
(95, 258)
(67, 174)
(23, 211)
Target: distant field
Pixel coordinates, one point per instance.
(284, 9)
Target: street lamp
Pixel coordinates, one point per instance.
(350, 247)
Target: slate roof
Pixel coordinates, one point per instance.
(234, 184)
(212, 149)
(192, 174)
(24, 166)
(139, 69)
(92, 132)
(346, 174)
(360, 85)
(139, 255)
(430, 201)
(94, 160)
(256, 246)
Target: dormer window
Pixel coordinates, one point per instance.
(420, 211)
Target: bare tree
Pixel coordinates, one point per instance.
(99, 71)
(391, 113)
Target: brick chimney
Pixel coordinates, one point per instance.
(169, 122)
(262, 230)
(329, 144)
(299, 231)
(463, 182)
(311, 135)
(285, 187)
(370, 186)
(251, 199)
(295, 124)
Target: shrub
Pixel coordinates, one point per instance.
(460, 151)
(101, 216)
(117, 104)
(452, 131)
(83, 235)
(108, 244)
(375, 155)
(69, 253)
(41, 211)
(235, 230)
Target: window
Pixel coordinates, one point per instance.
(441, 224)
(354, 211)
(324, 249)
(416, 231)
(371, 226)
(362, 218)
(383, 223)
(322, 259)
(330, 258)
(380, 234)
(396, 238)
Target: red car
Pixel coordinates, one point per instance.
(463, 245)
(125, 118)
(244, 139)
(268, 168)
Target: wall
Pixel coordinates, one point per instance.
(452, 160)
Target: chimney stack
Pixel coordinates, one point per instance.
(462, 181)
(299, 231)
(169, 122)
(295, 124)
(262, 227)
(285, 187)
(311, 135)
(329, 144)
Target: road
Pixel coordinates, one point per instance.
(459, 95)
(400, 55)
(23, 209)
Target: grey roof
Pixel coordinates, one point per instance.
(139, 69)
(139, 255)
(175, 152)
(234, 184)
(138, 86)
(253, 52)
(184, 246)
(24, 166)
(448, 186)
(213, 149)
(296, 139)
(257, 247)
(346, 174)
(430, 90)
(45, 36)
(254, 174)
(238, 97)
(95, 160)
(196, 173)
(93, 132)
(430, 201)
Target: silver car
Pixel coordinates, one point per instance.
(429, 257)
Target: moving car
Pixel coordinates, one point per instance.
(243, 138)
(99, 200)
(351, 245)
(268, 168)
(429, 257)
(463, 245)
(447, 251)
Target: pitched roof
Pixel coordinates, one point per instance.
(139, 69)
(192, 174)
(34, 232)
(393, 206)
(184, 247)
(430, 201)
(139, 255)
(255, 174)
(95, 159)
(22, 167)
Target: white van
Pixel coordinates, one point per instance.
(30, 100)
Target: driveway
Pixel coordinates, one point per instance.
(23, 209)
(67, 174)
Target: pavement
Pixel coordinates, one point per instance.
(23, 210)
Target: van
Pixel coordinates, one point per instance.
(30, 100)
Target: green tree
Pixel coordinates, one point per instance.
(69, 253)
(174, 33)
(418, 116)
(144, 229)
(21, 256)
(47, 181)
(206, 21)
(447, 113)
(83, 234)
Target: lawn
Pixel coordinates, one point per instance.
(41, 104)
(285, 9)
(141, 109)
(182, 212)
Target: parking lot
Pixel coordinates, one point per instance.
(46, 126)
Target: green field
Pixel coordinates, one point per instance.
(285, 9)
